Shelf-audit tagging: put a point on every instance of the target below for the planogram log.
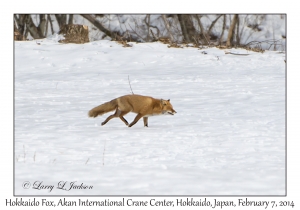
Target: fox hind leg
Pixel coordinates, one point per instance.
(119, 114)
(122, 118)
(116, 114)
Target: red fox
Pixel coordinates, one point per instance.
(143, 106)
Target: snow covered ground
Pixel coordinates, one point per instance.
(227, 138)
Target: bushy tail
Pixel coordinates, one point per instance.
(103, 108)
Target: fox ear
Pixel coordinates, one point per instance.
(163, 102)
(169, 100)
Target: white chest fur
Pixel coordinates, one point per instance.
(155, 114)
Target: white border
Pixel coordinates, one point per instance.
(153, 6)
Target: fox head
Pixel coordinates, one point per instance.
(167, 107)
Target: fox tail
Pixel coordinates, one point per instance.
(103, 108)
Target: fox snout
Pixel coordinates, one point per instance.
(172, 112)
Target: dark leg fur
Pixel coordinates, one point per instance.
(119, 114)
(122, 118)
(110, 117)
(135, 120)
(145, 121)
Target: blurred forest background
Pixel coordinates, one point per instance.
(256, 32)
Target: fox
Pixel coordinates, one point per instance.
(143, 106)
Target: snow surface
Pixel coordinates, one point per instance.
(227, 138)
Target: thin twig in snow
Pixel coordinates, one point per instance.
(24, 152)
(87, 161)
(103, 153)
(130, 85)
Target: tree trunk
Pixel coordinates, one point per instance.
(231, 31)
(147, 21)
(51, 25)
(17, 35)
(33, 30)
(20, 23)
(168, 27)
(42, 25)
(202, 31)
(47, 21)
(187, 27)
(70, 22)
(62, 20)
(15, 26)
(223, 29)
(238, 32)
(183, 28)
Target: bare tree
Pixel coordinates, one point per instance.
(238, 31)
(212, 24)
(168, 27)
(231, 31)
(147, 21)
(25, 25)
(51, 24)
(61, 20)
(202, 31)
(223, 29)
(42, 26)
(187, 27)
(20, 22)
(149, 30)
(34, 31)
(70, 21)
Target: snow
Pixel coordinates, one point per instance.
(227, 138)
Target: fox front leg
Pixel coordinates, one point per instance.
(135, 120)
(145, 121)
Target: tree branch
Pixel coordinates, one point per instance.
(202, 31)
(212, 24)
(97, 24)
